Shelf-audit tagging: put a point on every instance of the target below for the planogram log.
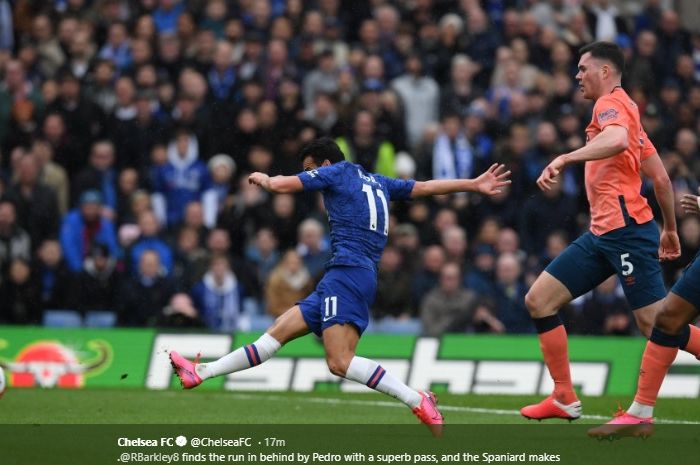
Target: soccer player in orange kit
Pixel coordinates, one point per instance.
(623, 238)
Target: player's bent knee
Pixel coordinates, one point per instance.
(338, 365)
(669, 321)
(535, 305)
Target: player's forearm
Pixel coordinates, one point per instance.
(663, 189)
(282, 184)
(443, 186)
(604, 145)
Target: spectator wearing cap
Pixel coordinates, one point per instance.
(181, 180)
(363, 146)
(95, 287)
(222, 168)
(420, 96)
(84, 227)
(35, 203)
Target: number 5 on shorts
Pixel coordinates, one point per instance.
(627, 266)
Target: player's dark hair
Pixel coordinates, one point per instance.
(322, 149)
(606, 51)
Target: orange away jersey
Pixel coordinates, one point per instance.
(615, 183)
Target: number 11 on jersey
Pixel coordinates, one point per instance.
(372, 204)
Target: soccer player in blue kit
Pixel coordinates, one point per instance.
(338, 310)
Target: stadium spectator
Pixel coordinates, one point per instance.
(510, 297)
(313, 248)
(449, 308)
(364, 147)
(20, 301)
(95, 288)
(35, 204)
(288, 283)
(263, 253)
(142, 297)
(420, 96)
(54, 278)
(219, 296)
(14, 241)
(83, 227)
(259, 79)
(52, 174)
(393, 295)
(100, 176)
(149, 239)
(604, 310)
(181, 180)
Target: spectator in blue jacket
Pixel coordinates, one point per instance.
(181, 180)
(150, 240)
(83, 227)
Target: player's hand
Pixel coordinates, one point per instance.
(259, 179)
(670, 246)
(550, 172)
(691, 203)
(491, 180)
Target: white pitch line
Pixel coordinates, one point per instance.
(447, 408)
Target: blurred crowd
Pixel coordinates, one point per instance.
(128, 128)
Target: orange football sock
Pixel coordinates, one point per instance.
(693, 344)
(655, 363)
(554, 345)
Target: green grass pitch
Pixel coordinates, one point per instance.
(125, 406)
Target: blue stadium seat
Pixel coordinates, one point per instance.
(62, 319)
(101, 319)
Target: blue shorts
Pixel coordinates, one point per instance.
(631, 252)
(344, 295)
(688, 287)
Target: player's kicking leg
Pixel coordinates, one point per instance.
(290, 325)
(543, 301)
(340, 342)
(659, 354)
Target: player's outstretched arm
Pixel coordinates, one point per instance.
(653, 168)
(691, 203)
(277, 184)
(489, 183)
(612, 141)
